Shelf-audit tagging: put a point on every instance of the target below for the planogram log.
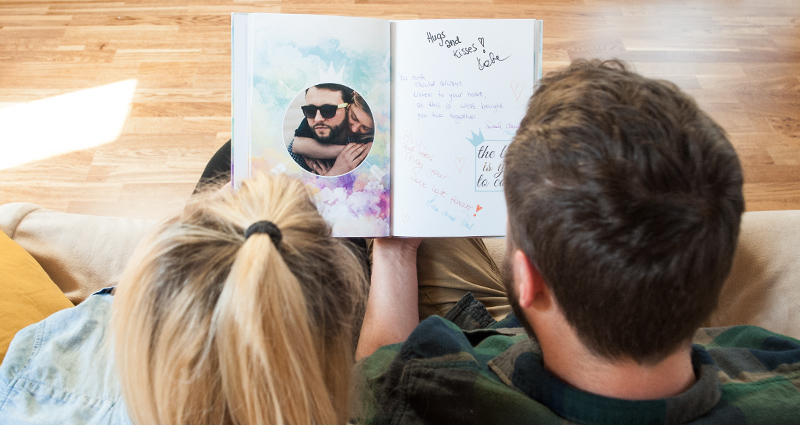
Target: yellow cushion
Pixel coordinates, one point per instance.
(27, 294)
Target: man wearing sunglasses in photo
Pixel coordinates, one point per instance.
(322, 143)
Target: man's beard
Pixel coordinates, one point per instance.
(507, 274)
(333, 133)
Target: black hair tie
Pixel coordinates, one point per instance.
(267, 227)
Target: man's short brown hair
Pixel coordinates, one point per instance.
(627, 198)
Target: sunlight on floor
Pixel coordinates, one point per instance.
(66, 123)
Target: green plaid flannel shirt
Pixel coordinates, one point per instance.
(445, 375)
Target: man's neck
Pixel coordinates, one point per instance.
(566, 357)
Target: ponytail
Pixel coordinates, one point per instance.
(264, 341)
(213, 327)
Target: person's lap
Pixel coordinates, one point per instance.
(448, 268)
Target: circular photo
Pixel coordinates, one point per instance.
(328, 129)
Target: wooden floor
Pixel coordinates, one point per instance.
(114, 107)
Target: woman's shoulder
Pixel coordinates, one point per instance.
(63, 367)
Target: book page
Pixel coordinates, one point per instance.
(278, 62)
(459, 91)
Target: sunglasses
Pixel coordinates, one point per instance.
(327, 111)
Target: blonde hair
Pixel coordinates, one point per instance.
(210, 327)
(359, 101)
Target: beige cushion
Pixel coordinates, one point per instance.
(763, 288)
(80, 253)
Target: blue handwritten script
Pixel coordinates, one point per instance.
(448, 215)
(466, 222)
(432, 205)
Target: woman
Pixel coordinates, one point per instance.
(328, 159)
(240, 310)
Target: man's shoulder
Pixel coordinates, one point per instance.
(749, 348)
(441, 374)
(438, 342)
(437, 339)
(739, 336)
(759, 371)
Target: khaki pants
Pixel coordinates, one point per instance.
(448, 268)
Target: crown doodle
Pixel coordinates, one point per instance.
(476, 139)
(331, 76)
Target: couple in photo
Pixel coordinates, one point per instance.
(336, 134)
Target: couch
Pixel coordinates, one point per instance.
(60, 259)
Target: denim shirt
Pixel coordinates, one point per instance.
(61, 371)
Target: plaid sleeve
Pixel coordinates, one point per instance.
(371, 375)
(759, 371)
(440, 375)
(297, 158)
(382, 378)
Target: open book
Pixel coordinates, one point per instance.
(424, 156)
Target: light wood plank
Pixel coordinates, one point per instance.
(740, 60)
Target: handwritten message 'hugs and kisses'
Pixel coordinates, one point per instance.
(461, 51)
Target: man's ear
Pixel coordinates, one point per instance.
(528, 281)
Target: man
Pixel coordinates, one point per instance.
(624, 203)
(322, 143)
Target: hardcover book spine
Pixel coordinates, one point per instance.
(241, 72)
